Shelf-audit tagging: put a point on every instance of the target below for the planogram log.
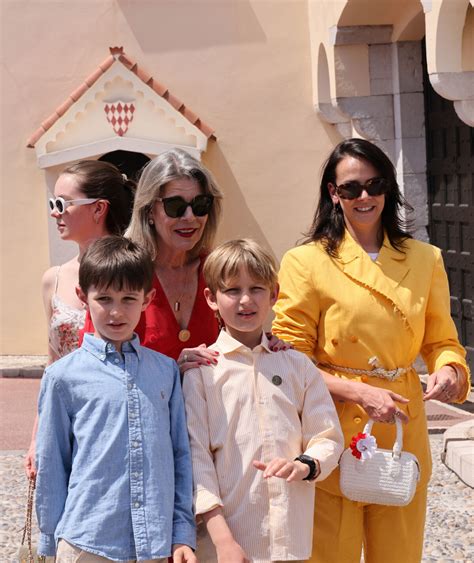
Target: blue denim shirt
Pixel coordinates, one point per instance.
(113, 458)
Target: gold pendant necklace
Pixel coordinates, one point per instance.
(177, 303)
(184, 335)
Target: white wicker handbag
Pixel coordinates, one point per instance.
(388, 477)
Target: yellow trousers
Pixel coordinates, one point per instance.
(389, 534)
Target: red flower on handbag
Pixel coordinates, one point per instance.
(363, 445)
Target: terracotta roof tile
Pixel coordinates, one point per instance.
(79, 91)
(159, 88)
(173, 100)
(93, 77)
(62, 109)
(116, 53)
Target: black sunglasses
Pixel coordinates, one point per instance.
(353, 189)
(176, 206)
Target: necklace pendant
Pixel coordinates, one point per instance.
(177, 306)
(184, 335)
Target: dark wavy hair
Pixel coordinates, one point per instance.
(117, 262)
(102, 180)
(328, 224)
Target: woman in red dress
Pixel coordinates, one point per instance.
(175, 216)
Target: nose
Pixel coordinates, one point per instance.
(115, 310)
(54, 213)
(188, 214)
(245, 297)
(364, 194)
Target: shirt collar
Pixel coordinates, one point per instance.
(228, 344)
(100, 348)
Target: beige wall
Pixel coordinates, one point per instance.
(244, 67)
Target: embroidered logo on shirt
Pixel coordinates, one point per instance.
(277, 380)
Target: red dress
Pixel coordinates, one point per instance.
(158, 328)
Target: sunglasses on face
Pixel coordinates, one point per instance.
(353, 189)
(176, 206)
(60, 204)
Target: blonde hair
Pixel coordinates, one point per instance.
(224, 262)
(168, 166)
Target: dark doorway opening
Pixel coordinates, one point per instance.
(450, 176)
(129, 163)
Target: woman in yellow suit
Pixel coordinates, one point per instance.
(363, 299)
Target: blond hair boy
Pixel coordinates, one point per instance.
(262, 425)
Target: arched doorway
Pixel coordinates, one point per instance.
(450, 173)
(129, 163)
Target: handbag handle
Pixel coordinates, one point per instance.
(29, 512)
(28, 523)
(398, 445)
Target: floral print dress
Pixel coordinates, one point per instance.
(65, 324)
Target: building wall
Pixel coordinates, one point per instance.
(244, 67)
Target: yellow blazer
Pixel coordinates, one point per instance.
(348, 310)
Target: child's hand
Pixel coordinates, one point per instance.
(230, 552)
(283, 468)
(29, 462)
(183, 553)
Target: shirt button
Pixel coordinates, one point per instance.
(335, 341)
(354, 339)
(130, 386)
(357, 419)
(132, 415)
(136, 474)
(137, 505)
(136, 444)
(116, 361)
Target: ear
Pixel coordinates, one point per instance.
(100, 210)
(148, 298)
(211, 299)
(333, 194)
(274, 294)
(82, 296)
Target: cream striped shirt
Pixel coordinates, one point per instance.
(256, 404)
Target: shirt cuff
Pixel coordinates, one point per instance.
(185, 534)
(46, 545)
(328, 457)
(206, 501)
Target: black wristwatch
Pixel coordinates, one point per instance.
(313, 465)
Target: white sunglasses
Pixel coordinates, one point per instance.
(60, 204)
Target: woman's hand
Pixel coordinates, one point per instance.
(443, 385)
(277, 345)
(381, 404)
(195, 357)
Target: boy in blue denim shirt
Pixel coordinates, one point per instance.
(114, 467)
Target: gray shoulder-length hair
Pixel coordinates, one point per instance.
(171, 165)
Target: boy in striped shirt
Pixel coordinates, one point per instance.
(262, 425)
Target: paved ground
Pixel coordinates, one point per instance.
(449, 531)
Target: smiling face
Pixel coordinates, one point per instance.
(179, 234)
(243, 305)
(115, 313)
(364, 213)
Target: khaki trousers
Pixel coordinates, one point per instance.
(68, 553)
(389, 534)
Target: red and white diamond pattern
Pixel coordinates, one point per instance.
(119, 115)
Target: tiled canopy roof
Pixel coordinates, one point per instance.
(117, 53)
